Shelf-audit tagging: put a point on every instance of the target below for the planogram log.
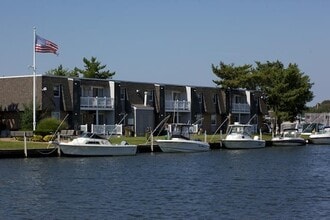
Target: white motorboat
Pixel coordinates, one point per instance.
(289, 137)
(239, 136)
(321, 137)
(90, 144)
(179, 141)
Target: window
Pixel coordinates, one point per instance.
(130, 121)
(122, 94)
(85, 91)
(151, 96)
(176, 96)
(98, 92)
(215, 98)
(56, 115)
(199, 118)
(213, 119)
(240, 99)
(98, 118)
(200, 98)
(56, 90)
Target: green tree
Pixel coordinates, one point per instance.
(287, 90)
(94, 69)
(233, 77)
(60, 71)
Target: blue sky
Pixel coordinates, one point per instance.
(171, 41)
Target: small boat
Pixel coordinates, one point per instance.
(321, 137)
(90, 144)
(179, 140)
(239, 136)
(289, 137)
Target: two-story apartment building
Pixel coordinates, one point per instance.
(137, 106)
(246, 107)
(54, 98)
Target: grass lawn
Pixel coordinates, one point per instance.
(12, 144)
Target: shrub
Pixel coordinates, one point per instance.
(48, 126)
(48, 138)
(27, 117)
(36, 138)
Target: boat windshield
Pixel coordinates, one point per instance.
(240, 130)
(290, 133)
(91, 135)
(181, 130)
(324, 130)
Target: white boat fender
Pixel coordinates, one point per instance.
(256, 138)
(55, 142)
(123, 143)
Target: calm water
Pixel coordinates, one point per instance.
(272, 183)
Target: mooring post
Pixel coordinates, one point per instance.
(152, 142)
(25, 146)
(58, 144)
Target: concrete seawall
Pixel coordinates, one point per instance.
(33, 153)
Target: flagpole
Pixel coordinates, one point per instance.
(34, 79)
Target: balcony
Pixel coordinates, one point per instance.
(177, 106)
(99, 103)
(240, 108)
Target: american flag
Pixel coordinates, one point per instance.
(45, 46)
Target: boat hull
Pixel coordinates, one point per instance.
(243, 144)
(97, 150)
(185, 146)
(319, 140)
(288, 142)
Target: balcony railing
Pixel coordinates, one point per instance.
(104, 129)
(171, 105)
(240, 108)
(96, 103)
